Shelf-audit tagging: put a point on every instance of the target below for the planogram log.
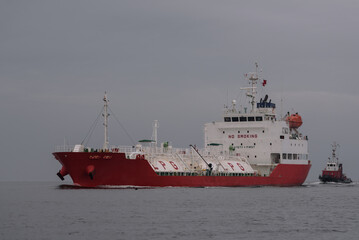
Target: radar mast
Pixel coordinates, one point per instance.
(253, 78)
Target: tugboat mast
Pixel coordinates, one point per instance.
(334, 156)
(105, 115)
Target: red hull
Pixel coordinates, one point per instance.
(115, 169)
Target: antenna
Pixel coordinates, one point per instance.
(65, 143)
(227, 98)
(281, 106)
(334, 155)
(281, 98)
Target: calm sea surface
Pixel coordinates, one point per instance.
(49, 211)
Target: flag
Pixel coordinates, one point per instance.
(264, 82)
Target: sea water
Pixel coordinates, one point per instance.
(42, 210)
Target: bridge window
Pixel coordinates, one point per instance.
(250, 119)
(227, 119)
(284, 156)
(234, 119)
(289, 156)
(259, 118)
(243, 119)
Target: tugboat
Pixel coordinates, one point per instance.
(334, 170)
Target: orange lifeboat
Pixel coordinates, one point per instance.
(294, 120)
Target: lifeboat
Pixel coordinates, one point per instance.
(294, 120)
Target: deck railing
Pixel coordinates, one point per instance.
(148, 150)
(64, 148)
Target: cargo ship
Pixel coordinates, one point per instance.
(244, 148)
(333, 172)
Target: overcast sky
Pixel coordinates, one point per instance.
(172, 61)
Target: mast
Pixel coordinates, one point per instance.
(154, 134)
(252, 91)
(105, 115)
(334, 156)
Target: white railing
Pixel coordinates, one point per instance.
(64, 148)
(125, 149)
(128, 150)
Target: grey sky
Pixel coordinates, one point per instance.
(173, 61)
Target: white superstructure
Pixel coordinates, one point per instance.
(257, 135)
(333, 162)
